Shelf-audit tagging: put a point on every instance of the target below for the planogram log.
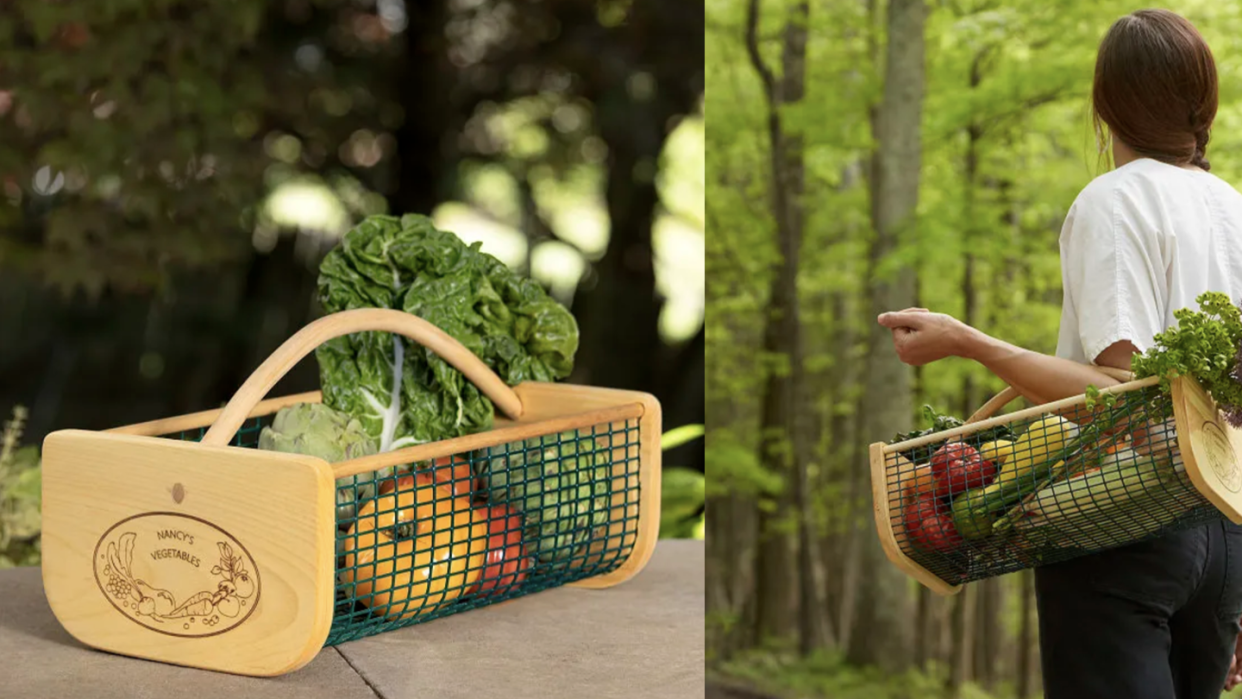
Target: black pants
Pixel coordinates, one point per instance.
(1154, 620)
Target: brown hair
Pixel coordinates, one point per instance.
(1155, 87)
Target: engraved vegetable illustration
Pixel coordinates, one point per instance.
(136, 596)
(146, 600)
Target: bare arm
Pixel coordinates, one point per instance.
(921, 337)
(1039, 377)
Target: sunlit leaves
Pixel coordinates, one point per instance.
(1007, 99)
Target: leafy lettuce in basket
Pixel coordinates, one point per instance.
(402, 393)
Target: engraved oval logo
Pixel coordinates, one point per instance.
(1221, 457)
(177, 574)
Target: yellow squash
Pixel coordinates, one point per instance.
(1042, 440)
(975, 514)
(998, 451)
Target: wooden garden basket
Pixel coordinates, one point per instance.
(201, 550)
(1080, 480)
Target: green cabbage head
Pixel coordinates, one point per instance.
(562, 485)
(315, 429)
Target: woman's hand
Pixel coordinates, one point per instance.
(921, 337)
(1234, 678)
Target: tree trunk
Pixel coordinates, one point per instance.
(882, 623)
(780, 449)
(963, 640)
(989, 638)
(920, 627)
(857, 540)
(838, 547)
(1025, 634)
(794, 181)
(970, 299)
(924, 594)
(423, 150)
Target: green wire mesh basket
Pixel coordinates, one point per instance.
(422, 541)
(1054, 482)
(178, 540)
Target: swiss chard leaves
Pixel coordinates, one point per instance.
(940, 423)
(402, 393)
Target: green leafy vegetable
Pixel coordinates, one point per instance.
(1205, 344)
(561, 485)
(940, 423)
(404, 394)
(1094, 398)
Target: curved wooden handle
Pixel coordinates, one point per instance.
(1010, 393)
(335, 325)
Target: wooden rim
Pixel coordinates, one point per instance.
(1014, 417)
(203, 418)
(888, 538)
(1010, 394)
(480, 440)
(1209, 447)
(335, 325)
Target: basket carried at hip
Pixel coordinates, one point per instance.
(1055, 481)
(178, 541)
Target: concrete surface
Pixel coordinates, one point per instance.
(640, 640)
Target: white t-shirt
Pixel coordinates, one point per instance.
(1139, 243)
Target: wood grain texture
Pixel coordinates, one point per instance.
(271, 512)
(548, 408)
(1209, 447)
(204, 418)
(993, 406)
(884, 524)
(335, 325)
(511, 432)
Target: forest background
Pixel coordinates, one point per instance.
(866, 156)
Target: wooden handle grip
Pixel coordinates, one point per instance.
(335, 325)
(1010, 393)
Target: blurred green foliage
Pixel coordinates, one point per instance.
(683, 491)
(1006, 146)
(1007, 93)
(828, 675)
(124, 156)
(19, 497)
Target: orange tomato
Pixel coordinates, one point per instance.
(924, 481)
(441, 557)
(457, 474)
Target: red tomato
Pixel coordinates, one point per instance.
(960, 475)
(930, 525)
(956, 451)
(506, 560)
